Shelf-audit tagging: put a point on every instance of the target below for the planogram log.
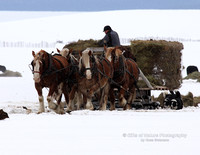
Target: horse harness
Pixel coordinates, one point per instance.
(73, 69)
(121, 70)
(51, 69)
(93, 68)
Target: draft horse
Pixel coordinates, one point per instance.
(94, 75)
(126, 74)
(51, 72)
(72, 82)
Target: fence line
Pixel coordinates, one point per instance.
(20, 44)
(45, 44)
(128, 40)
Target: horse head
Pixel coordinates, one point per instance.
(65, 52)
(118, 53)
(38, 64)
(87, 63)
(109, 53)
(117, 60)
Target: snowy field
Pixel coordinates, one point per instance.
(86, 132)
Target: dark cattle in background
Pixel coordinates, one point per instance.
(3, 115)
(191, 69)
(2, 68)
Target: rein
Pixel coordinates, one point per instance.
(121, 71)
(51, 69)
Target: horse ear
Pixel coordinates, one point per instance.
(70, 51)
(105, 48)
(90, 53)
(58, 50)
(33, 53)
(80, 53)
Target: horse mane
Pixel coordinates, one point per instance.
(108, 53)
(84, 58)
(40, 54)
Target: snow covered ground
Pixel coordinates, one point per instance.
(94, 132)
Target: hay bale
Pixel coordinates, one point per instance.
(161, 99)
(188, 100)
(160, 60)
(196, 101)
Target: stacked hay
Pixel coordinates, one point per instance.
(81, 45)
(160, 61)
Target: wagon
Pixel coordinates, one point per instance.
(143, 95)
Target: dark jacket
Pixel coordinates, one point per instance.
(111, 39)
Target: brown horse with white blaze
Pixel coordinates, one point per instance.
(51, 72)
(126, 74)
(94, 75)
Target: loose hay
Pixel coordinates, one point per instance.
(194, 76)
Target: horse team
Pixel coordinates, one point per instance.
(83, 78)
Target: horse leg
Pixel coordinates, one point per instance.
(104, 97)
(60, 108)
(66, 94)
(71, 98)
(122, 100)
(40, 97)
(79, 100)
(112, 99)
(50, 97)
(100, 84)
(132, 96)
(89, 104)
(84, 101)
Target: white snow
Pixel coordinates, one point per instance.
(94, 132)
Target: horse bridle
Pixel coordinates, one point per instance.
(42, 61)
(32, 69)
(92, 69)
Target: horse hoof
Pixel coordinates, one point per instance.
(111, 109)
(53, 106)
(39, 112)
(59, 112)
(103, 108)
(127, 107)
(69, 112)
